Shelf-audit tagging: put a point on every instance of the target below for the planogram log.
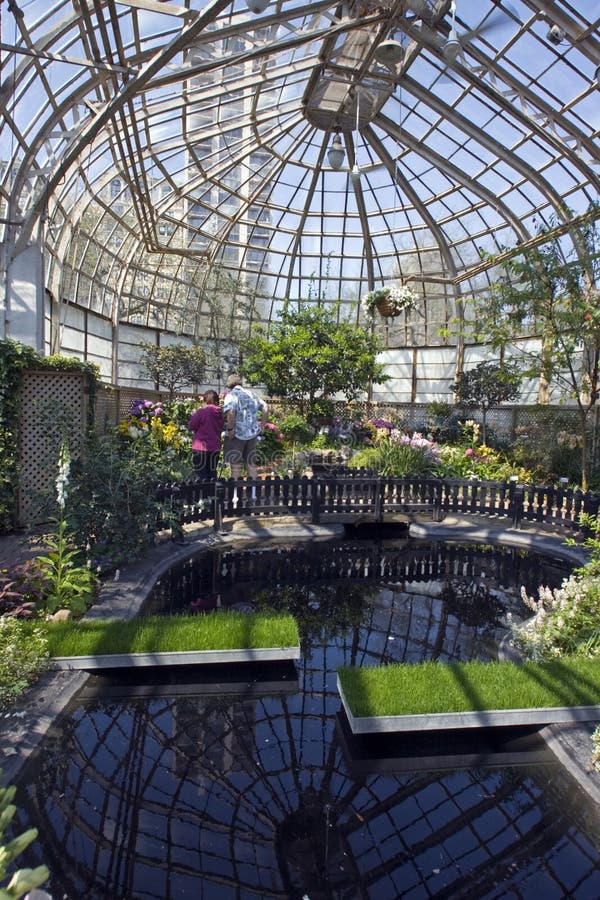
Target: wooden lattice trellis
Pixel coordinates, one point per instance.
(54, 405)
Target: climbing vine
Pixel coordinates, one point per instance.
(14, 358)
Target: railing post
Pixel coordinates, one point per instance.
(218, 511)
(315, 501)
(437, 502)
(379, 504)
(517, 495)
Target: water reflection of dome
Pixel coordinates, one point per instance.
(182, 790)
(401, 600)
(313, 858)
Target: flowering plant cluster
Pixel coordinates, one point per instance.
(399, 297)
(156, 422)
(417, 441)
(564, 621)
(343, 433)
(399, 455)
(377, 430)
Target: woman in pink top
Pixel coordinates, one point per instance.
(207, 425)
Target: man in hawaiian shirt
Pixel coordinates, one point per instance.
(242, 426)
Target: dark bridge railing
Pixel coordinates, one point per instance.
(358, 494)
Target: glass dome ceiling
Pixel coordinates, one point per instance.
(167, 153)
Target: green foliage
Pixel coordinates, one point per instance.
(549, 445)
(62, 363)
(309, 357)
(487, 384)
(69, 582)
(544, 292)
(23, 880)
(14, 358)
(323, 441)
(270, 443)
(296, 430)
(23, 653)
(111, 507)
(173, 366)
(161, 437)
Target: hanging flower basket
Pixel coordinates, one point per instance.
(390, 301)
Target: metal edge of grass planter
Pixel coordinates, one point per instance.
(484, 718)
(175, 658)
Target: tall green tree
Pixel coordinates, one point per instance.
(553, 294)
(173, 366)
(309, 358)
(485, 385)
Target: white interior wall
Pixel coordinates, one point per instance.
(428, 371)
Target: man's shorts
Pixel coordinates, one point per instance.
(236, 451)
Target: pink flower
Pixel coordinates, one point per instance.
(469, 452)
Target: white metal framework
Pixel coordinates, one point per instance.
(169, 161)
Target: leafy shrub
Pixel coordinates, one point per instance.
(111, 509)
(296, 430)
(21, 591)
(270, 444)
(23, 652)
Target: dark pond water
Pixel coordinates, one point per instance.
(245, 783)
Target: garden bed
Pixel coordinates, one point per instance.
(218, 637)
(434, 695)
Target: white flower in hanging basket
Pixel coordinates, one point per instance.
(390, 300)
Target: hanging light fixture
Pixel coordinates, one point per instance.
(336, 153)
(452, 46)
(257, 6)
(389, 53)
